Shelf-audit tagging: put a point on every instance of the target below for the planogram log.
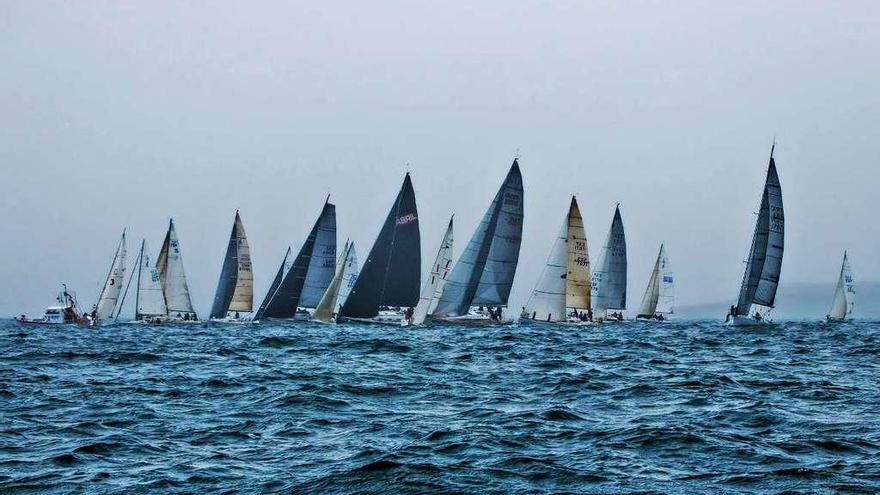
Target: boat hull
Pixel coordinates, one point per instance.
(747, 321)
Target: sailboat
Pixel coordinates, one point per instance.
(286, 263)
(388, 284)
(480, 283)
(562, 293)
(149, 299)
(169, 264)
(436, 280)
(310, 274)
(234, 297)
(609, 277)
(844, 294)
(340, 287)
(764, 265)
(106, 305)
(659, 295)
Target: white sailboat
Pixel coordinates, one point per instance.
(436, 280)
(149, 299)
(764, 265)
(107, 300)
(659, 296)
(234, 298)
(337, 292)
(844, 295)
(609, 276)
(562, 293)
(169, 264)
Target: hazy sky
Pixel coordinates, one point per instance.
(123, 114)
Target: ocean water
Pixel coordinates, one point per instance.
(680, 407)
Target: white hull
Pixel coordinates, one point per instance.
(566, 323)
(747, 321)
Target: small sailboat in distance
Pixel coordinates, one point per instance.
(436, 280)
(564, 283)
(659, 296)
(483, 276)
(109, 297)
(234, 298)
(844, 295)
(764, 265)
(609, 276)
(169, 264)
(388, 285)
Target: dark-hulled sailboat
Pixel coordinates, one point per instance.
(388, 283)
(763, 268)
(302, 286)
(234, 298)
(483, 276)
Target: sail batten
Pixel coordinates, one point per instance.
(390, 275)
(486, 268)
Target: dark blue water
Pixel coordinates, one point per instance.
(684, 407)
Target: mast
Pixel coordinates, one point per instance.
(137, 292)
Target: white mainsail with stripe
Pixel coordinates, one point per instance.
(169, 264)
(659, 295)
(112, 285)
(844, 294)
(434, 283)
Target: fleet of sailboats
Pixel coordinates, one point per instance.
(479, 286)
(764, 264)
(323, 285)
(844, 294)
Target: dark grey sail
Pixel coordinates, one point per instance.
(391, 273)
(764, 266)
(279, 276)
(485, 271)
(235, 287)
(318, 253)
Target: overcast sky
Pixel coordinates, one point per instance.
(123, 114)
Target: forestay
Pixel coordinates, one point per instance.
(485, 270)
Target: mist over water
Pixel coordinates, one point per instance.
(680, 407)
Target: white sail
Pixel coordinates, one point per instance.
(349, 277)
(659, 295)
(434, 284)
(113, 284)
(547, 302)
(844, 295)
(326, 306)
(609, 278)
(150, 300)
(169, 264)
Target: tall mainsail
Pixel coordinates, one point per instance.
(486, 268)
(329, 302)
(310, 273)
(609, 277)
(349, 276)
(113, 284)
(150, 300)
(169, 264)
(565, 280)
(433, 287)
(235, 289)
(390, 275)
(764, 265)
(844, 294)
(279, 276)
(659, 296)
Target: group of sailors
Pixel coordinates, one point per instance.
(495, 314)
(582, 315)
(734, 311)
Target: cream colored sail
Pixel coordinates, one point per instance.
(434, 284)
(577, 279)
(243, 295)
(326, 306)
(113, 285)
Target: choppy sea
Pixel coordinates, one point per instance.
(678, 407)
